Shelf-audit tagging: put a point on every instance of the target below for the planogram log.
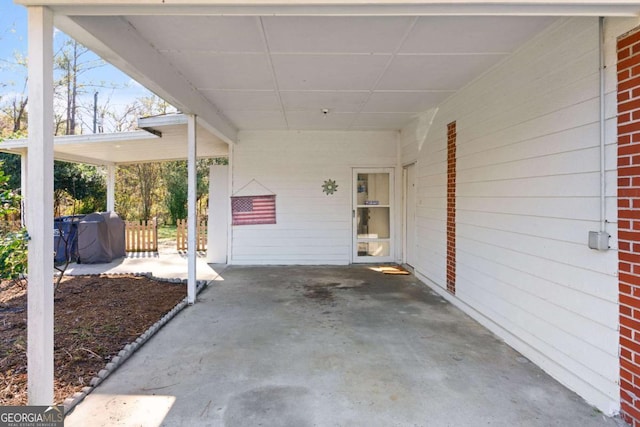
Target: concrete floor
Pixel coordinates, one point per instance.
(164, 264)
(326, 346)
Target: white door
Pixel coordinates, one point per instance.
(373, 215)
(410, 215)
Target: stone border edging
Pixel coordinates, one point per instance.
(70, 402)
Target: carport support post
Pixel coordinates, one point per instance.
(40, 207)
(192, 185)
(111, 188)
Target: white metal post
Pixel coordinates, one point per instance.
(191, 208)
(111, 188)
(40, 207)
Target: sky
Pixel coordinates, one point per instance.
(13, 40)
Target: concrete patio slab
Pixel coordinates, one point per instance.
(328, 346)
(168, 265)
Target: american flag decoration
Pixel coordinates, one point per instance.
(252, 210)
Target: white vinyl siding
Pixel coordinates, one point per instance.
(312, 227)
(409, 143)
(527, 196)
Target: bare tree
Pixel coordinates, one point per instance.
(14, 114)
(149, 179)
(14, 108)
(119, 120)
(72, 61)
(18, 112)
(153, 105)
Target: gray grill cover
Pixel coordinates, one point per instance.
(115, 225)
(101, 238)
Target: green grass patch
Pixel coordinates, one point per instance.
(167, 232)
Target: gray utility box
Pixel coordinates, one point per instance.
(599, 240)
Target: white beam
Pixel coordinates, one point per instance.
(40, 207)
(74, 158)
(346, 7)
(118, 42)
(93, 139)
(163, 120)
(192, 185)
(111, 188)
(62, 156)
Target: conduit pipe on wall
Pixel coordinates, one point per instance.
(603, 208)
(600, 239)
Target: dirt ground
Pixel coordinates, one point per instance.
(95, 317)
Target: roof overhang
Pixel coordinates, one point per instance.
(345, 8)
(168, 141)
(249, 65)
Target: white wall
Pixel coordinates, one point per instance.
(217, 233)
(527, 196)
(312, 227)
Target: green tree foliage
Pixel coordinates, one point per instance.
(141, 188)
(13, 244)
(13, 255)
(125, 192)
(175, 177)
(138, 191)
(148, 179)
(11, 168)
(73, 182)
(9, 200)
(83, 183)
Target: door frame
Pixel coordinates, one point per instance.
(354, 218)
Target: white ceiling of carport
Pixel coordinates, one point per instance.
(370, 72)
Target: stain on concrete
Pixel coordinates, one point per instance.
(280, 406)
(322, 293)
(323, 289)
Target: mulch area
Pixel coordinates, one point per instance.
(95, 317)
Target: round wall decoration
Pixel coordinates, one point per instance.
(329, 187)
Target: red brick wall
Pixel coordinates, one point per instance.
(629, 223)
(451, 207)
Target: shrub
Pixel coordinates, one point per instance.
(13, 255)
(13, 244)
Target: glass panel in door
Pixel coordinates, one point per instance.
(372, 215)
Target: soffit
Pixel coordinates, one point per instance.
(251, 65)
(370, 72)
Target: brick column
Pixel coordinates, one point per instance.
(628, 48)
(451, 207)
